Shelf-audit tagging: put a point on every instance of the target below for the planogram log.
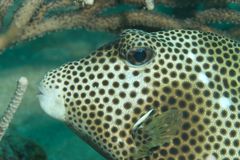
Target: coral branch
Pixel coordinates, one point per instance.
(4, 5)
(13, 105)
(84, 2)
(170, 3)
(98, 7)
(25, 13)
(147, 20)
(218, 16)
(53, 24)
(112, 23)
(149, 4)
(20, 20)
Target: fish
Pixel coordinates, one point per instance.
(166, 95)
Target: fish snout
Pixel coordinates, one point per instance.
(51, 102)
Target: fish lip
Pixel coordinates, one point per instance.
(40, 90)
(39, 93)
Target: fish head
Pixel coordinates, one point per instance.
(115, 72)
(102, 95)
(113, 90)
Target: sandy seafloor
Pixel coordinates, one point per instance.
(33, 59)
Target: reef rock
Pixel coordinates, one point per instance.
(13, 147)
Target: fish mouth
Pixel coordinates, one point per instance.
(40, 92)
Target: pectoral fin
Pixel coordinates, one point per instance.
(154, 130)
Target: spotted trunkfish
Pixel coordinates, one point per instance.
(168, 95)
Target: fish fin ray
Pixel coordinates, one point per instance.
(156, 130)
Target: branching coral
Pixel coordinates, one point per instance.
(4, 5)
(37, 17)
(13, 105)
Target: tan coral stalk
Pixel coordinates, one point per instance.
(9, 37)
(4, 5)
(20, 20)
(218, 16)
(13, 105)
(149, 4)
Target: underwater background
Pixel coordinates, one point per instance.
(33, 59)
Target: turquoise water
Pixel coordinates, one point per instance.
(33, 59)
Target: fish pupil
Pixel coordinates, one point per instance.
(140, 55)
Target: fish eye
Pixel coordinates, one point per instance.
(139, 56)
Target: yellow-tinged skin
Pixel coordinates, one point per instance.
(103, 95)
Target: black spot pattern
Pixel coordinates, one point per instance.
(194, 72)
